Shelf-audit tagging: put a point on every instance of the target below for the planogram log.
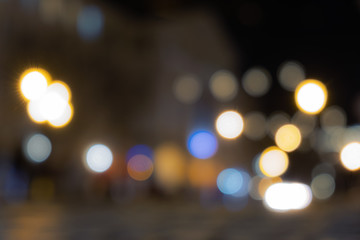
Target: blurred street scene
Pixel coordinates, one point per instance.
(179, 120)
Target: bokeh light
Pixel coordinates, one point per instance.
(52, 105)
(90, 22)
(273, 162)
(322, 168)
(256, 165)
(61, 88)
(229, 181)
(323, 186)
(140, 167)
(223, 85)
(203, 174)
(255, 123)
(265, 183)
(290, 74)
(187, 89)
(283, 197)
(331, 117)
(288, 137)
(98, 158)
(169, 166)
(332, 140)
(311, 96)
(37, 148)
(305, 122)
(34, 112)
(350, 134)
(34, 83)
(202, 144)
(229, 124)
(140, 149)
(256, 82)
(275, 121)
(64, 118)
(245, 186)
(15, 185)
(350, 156)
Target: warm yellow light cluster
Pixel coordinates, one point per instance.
(273, 162)
(288, 137)
(48, 101)
(311, 96)
(350, 156)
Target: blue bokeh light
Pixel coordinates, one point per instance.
(90, 22)
(202, 144)
(140, 149)
(245, 186)
(256, 165)
(230, 181)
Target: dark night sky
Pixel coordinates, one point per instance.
(323, 35)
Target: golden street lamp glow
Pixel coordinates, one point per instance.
(34, 83)
(33, 110)
(52, 105)
(64, 118)
(60, 88)
(230, 124)
(273, 162)
(350, 156)
(288, 137)
(311, 96)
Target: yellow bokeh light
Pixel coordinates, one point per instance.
(33, 83)
(230, 124)
(170, 166)
(350, 156)
(288, 137)
(203, 174)
(273, 162)
(60, 88)
(47, 103)
(52, 105)
(64, 119)
(275, 121)
(311, 96)
(33, 110)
